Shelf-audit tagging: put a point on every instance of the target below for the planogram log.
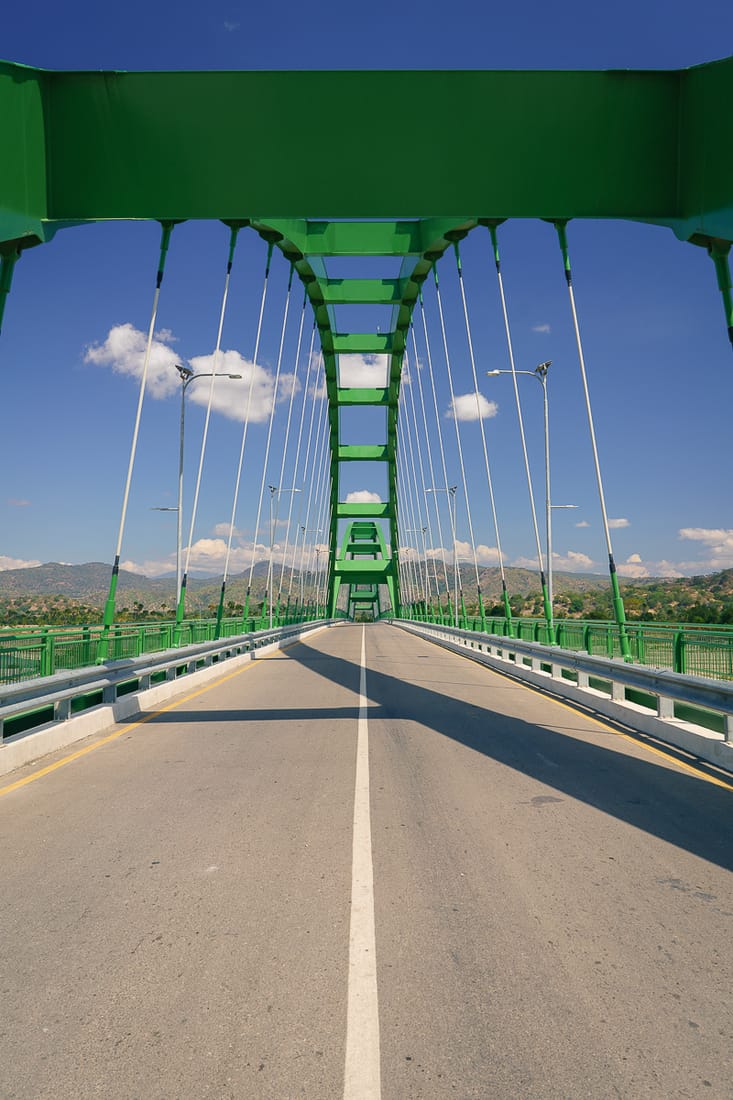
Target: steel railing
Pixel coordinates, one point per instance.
(30, 654)
(679, 647)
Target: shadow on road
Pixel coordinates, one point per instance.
(675, 806)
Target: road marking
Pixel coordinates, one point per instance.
(580, 712)
(126, 729)
(362, 1078)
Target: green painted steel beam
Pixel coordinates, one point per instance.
(352, 570)
(350, 397)
(645, 145)
(362, 291)
(362, 343)
(357, 453)
(382, 510)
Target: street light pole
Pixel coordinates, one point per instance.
(187, 377)
(540, 373)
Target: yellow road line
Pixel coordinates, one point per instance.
(126, 729)
(579, 711)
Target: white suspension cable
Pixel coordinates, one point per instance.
(109, 608)
(308, 478)
(245, 425)
(318, 399)
(444, 467)
(458, 431)
(296, 462)
(318, 458)
(266, 457)
(520, 418)
(281, 475)
(417, 506)
(480, 419)
(212, 383)
(413, 410)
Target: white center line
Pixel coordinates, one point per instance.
(362, 1080)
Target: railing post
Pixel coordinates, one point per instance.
(47, 654)
(679, 651)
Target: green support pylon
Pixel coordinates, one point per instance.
(719, 252)
(8, 261)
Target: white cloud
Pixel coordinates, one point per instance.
(719, 539)
(230, 26)
(571, 562)
(541, 328)
(287, 385)
(124, 351)
(18, 503)
(367, 371)
(16, 563)
(485, 555)
(363, 496)
(472, 406)
(583, 523)
(618, 523)
(232, 396)
(635, 568)
(719, 543)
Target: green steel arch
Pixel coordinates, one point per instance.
(79, 147)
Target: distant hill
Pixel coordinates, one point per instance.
(46, 592)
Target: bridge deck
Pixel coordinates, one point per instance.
(553, 902)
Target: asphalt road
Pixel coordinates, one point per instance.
(553, 902)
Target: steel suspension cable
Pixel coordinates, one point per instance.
(180, 606)
(416, 505)
(487, 464)
(459, 446)
(291, 494)
(431, 471)
(618, 604)
(245, 426)
(520, 418)
(318, 454)
(318, 397)
(404, 453)
(109, 607)
(403, 561)
(296, 466)
(322, 501)
(456, 573)
(266, 458)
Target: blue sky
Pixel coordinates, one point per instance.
(658, 356)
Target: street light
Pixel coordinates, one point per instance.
(275, 491)
(451, 491)
(187, 377)
(540, 373)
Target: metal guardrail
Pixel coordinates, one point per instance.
(31, 654)
(663, 689)
(54, 697)
(680, 647)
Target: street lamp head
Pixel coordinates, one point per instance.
(185, 372)
(543, 368)
(493, 373)
(230, 376)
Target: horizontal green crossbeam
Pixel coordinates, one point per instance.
(365, 453)
(357, 511)
(362, 291)
(347, 397)
(650, 145)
